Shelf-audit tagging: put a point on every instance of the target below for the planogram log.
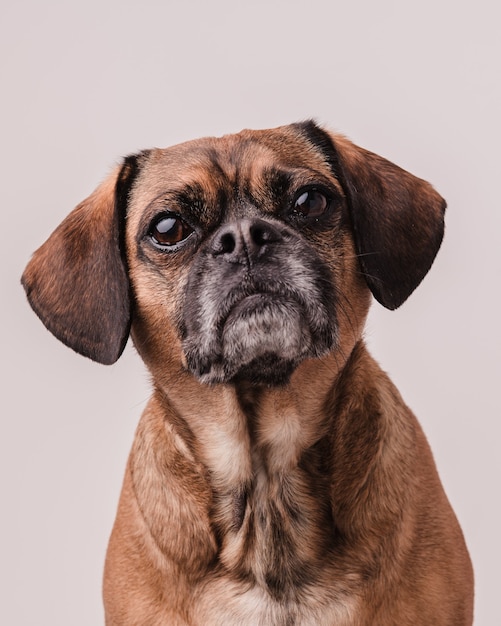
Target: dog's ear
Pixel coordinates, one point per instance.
(397, 218)
(77, 281)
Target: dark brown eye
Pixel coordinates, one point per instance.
(311, 203)
(169, 230)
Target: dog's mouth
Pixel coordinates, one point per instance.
(259, 309)
(259, 336)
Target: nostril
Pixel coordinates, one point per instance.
(258, 235)
(228, 243)
(225, 244)
(262, 233)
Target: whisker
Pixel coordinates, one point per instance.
(371, 276)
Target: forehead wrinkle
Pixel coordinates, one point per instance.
(194, 177)
(257, 163)
(244, 164)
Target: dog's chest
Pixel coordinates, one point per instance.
(271, 517)
(276, 553)
(278, 530)
(241, 603)
(275, 567)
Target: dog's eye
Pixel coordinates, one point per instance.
(311, 203)
(169, 230)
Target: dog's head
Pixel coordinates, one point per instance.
(237, 257)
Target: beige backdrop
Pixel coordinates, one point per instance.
(83, 83)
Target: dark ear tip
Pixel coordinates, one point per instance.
(105, 351)
(98, 355)
(389, 301)
(393, 295)
(389, 304)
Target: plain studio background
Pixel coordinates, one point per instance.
(84, 83)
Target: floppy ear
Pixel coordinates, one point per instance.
(77, 282)
(397, 218)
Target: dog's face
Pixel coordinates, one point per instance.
(236, 258)
(241, 244)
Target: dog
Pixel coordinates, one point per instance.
(276, 476)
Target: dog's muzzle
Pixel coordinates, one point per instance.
(259, 300)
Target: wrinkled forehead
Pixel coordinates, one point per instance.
(250, 163)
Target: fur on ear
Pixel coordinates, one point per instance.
(77, 281)
(397, 218)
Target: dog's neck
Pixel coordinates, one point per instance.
(260, 450)
(231, 428)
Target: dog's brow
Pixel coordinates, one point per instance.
(273, 183)
(199, 200)
(191, 195)
(277, 180)
(280, 180)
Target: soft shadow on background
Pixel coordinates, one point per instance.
(84, 83)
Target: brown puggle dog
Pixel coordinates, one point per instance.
(276, 476)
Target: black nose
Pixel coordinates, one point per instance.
(244, 241)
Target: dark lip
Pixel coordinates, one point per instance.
(253, 286)
(248, 295)
(248, 299)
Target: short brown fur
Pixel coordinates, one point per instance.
(314, 501)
